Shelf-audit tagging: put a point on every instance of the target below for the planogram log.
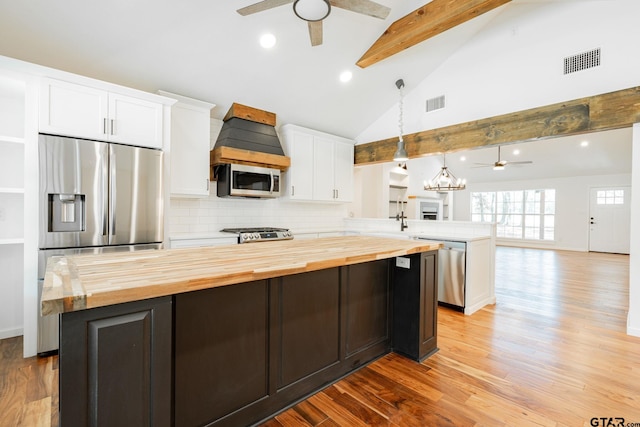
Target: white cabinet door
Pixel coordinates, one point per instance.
(343, 171)
(323, 169)
(190, 136)
(73, 110)
(321, 165)
(299, 176)
(135, 121)
(79, 111)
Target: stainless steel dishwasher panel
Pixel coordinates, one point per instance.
(451, 273)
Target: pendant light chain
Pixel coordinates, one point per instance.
(401, 153)
(401, 116)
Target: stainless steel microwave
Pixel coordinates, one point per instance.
(247, 181)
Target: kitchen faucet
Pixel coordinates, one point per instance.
(400, 217)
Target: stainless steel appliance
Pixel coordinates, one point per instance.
(431, 210)
(236, 180)
(451, 274)
(95, 197)
(259, 234)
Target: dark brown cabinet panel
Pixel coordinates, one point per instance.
(367, 306)
(221, 352)
(308, 329)
(414, 306)
(121, 356)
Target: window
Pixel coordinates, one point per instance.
(521, 214)
(610, 197)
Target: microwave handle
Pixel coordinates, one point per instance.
(272, 183)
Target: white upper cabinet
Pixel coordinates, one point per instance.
(321, 165)
(343, 171)
(190, 136)
(80, 111)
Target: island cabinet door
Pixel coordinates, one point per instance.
(221, 355)
(415, 310)
(115, 365)
(367, 311)
(307, 330)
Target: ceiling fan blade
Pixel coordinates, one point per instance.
(315, 32)
(366, 7)
(524, 162)
(261, 6)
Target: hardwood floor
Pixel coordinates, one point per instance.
(552, 352)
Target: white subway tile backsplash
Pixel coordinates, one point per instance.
(212, 214)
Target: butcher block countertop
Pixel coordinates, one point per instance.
(88, 281)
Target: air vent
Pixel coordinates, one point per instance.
(435, 103)
(582, 61)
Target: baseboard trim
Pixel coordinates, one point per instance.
(10, 333)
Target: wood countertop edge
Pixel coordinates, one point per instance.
(67, 293)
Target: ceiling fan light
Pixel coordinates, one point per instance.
(311, 10)
(498, 168)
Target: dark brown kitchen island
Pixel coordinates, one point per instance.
(183, 348)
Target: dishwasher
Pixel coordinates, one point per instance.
(451, 274)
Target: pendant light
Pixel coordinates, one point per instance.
(401, 154)
(445, 180)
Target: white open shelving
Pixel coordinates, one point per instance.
(12, 199)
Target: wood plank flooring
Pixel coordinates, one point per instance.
(552, 352)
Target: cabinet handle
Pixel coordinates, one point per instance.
(337, 196)
(104, 126)
(112, 127)
(207, 185)
(293, 190)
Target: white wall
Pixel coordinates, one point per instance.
(516, 63)
(572, 205)
(633, 321)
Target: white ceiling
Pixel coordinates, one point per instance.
(205, 50)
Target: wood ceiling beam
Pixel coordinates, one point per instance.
(423, 23)
(608, 111)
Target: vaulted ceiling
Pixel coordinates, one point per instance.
(205, 50)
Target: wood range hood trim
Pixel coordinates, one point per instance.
(222, 154)
(613, 110)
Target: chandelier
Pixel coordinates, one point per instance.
(445, 180)
(401, 154)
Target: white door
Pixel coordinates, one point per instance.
(610, 220)
(323, 169)
(135, 121)
(343, 172)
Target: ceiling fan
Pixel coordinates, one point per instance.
(500, 164)
(314, 11)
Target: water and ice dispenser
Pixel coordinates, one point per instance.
(66, 212)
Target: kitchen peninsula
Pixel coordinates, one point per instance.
(230, 335)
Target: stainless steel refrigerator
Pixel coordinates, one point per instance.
(95, 197)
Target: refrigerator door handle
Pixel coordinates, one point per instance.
(113, 160)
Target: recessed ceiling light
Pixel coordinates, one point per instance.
(463, 158)
(345, 76)
(267, 41)
(584, 144)
(516, 152)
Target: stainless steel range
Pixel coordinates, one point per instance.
(259, 234)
